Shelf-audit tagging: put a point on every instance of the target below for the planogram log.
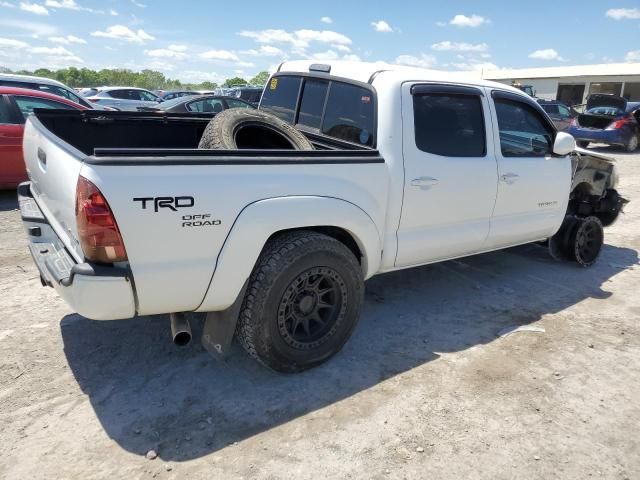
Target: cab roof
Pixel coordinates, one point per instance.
(365, 71)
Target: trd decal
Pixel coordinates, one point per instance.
(172, 203)
(199, 221)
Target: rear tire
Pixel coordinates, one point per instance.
(243, 128)
(302, 302)
(582, 144)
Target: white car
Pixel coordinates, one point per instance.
(126, 216)
(124, 98)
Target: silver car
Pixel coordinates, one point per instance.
(45, 85)
(124, 98)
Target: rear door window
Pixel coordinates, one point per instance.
(349, 114)
(281, 96)
(449, 125)
(523, 131)
(120, 94)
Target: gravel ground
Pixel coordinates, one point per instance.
(426, 388)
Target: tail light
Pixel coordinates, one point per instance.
(619, 123)
(100, 237)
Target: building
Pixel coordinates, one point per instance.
(573, 84)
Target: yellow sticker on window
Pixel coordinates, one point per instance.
(274, 84)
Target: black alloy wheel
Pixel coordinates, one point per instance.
(587, 241)
(312, 307)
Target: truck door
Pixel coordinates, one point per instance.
(534, 185)
(450, 172)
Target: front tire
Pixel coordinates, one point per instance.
(585, 241)
(302, 302)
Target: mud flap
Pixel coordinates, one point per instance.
(219, 328)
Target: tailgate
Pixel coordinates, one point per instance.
(53, 168)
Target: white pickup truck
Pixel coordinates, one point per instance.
(127, 216)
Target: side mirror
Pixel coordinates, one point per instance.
(564, 144)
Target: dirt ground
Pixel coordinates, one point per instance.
(426, 388)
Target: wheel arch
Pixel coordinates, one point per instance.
(261, 220)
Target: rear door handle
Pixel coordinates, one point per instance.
(424, 183)
(509, 178)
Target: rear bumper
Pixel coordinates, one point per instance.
(94, 291)
(609, 137)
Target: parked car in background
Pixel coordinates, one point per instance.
(15, 105)
(561, 114)
(124, 98)
(248, 94)
(608, 119)
(87, 91)
(46, 85)
(171, 94)
(199, 104)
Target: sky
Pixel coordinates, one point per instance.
(198, 40)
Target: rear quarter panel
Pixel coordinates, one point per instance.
(172, 264)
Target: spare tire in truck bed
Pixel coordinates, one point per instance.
(242, 128)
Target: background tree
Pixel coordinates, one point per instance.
(260, 79)
(109, 77)
(230, 82)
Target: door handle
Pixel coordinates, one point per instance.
(424, 183)
(509, 178)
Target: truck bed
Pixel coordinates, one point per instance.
(141, 161)
(97, 132)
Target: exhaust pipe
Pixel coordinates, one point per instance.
(180, 329)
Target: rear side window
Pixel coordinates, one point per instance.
(210, 105)
(449, 125)
(523, 131)
(312, 104)
(280, 97)
(28, 104)
(349, 114)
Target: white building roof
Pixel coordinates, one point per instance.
(605, 69)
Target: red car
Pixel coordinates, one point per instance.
(15, 105)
